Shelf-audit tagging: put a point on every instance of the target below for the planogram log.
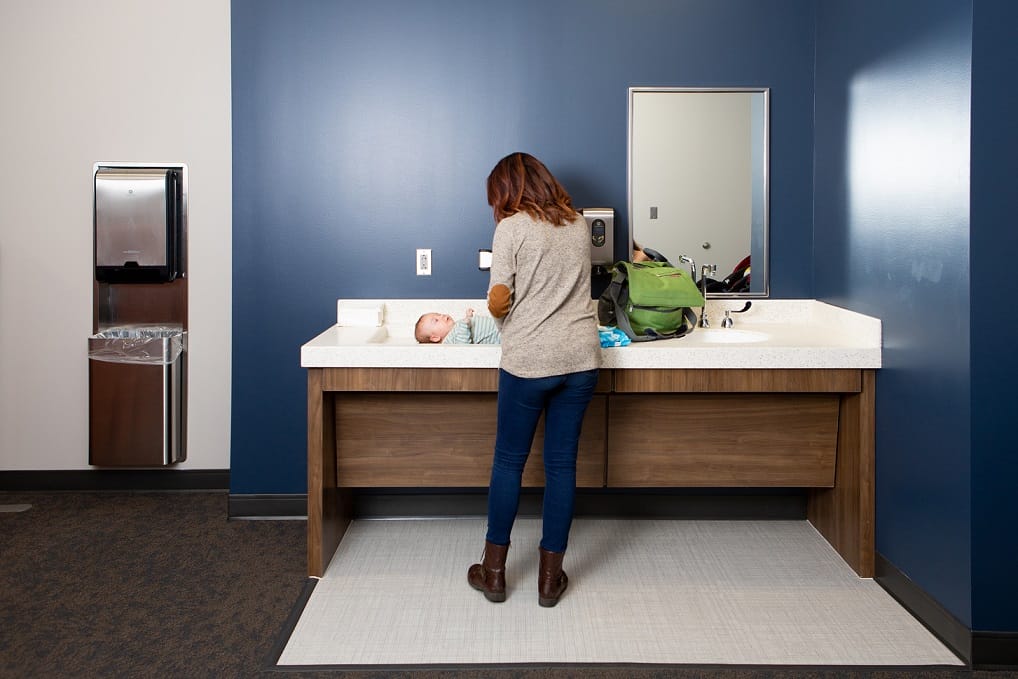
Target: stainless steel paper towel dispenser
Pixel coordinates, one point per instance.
(138, 223)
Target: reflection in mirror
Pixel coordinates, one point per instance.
(698, 163)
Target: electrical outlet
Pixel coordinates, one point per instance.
(423, 261)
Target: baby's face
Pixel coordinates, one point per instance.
(437, 326)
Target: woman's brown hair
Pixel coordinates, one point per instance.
(521, 183)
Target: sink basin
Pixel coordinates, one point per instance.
(728, 336)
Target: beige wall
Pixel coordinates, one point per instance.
(106, 80)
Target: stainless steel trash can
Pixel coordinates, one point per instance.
(137, 383)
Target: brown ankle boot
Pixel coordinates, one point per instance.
(489, 575)
(551, 580)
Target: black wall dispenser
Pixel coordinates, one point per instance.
(138, 218)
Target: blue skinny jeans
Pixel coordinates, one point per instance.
(563, 399)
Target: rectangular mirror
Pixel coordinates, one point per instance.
(698, 187)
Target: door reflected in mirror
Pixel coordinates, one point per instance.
(698, 186)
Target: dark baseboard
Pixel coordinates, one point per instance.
(938, 620)
(994, 650)
(260, 506)
(630, 503)
(692, 503)
(115, 480)
(442, 502)
(982, 650)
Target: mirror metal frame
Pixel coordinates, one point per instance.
(766, 178)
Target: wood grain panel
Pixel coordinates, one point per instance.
(127, 303)
(127, 406)
(844, 515)
(442, 440)
(410, 379)
(426, 379)
(738, 440)
(741, 380)
(329, 507)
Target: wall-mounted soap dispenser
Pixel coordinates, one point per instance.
(601, 222)
(138, 350)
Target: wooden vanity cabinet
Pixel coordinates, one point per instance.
(434, 439)
(722, 440)
(645, 428)
(725, 428)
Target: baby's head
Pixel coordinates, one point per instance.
(432, 327)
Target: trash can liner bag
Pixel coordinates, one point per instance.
(148, 344)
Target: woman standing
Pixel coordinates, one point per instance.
(540, 292)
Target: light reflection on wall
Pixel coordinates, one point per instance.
(894, 92)
(908, 171)
(908, 152)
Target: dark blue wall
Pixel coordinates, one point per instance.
(892, 240)
(364, 130)
(995, 327)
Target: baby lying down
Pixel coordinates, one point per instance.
(434, 328)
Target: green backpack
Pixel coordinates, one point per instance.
(650, 301)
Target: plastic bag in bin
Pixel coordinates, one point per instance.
(143, 344)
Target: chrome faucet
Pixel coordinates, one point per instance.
(727, 322)
(686, 259)
(706, 270)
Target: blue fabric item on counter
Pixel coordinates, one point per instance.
(612, 337)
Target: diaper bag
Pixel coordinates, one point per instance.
(650, 301)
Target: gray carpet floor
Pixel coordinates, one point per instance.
(164, 585)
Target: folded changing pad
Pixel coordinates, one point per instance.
(359, 314)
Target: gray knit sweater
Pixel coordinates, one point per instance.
(551, 327)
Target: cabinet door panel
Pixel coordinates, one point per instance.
(442, 440)
(722, 440)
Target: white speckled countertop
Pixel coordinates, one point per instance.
(784, 334)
